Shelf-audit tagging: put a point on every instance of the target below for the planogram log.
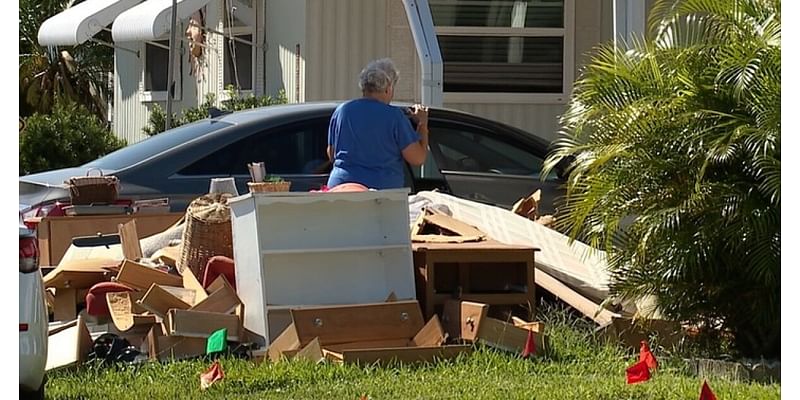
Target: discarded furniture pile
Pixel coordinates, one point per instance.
(286, 275)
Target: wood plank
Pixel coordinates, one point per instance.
(406, 355)
(190, 282)
(129, 240)
(286, 341)
(507, 337)
(201, 324)
(355, 323)
(533, 326)
(451, 224)
(159, 301)
(587, 307)
(65, 305)
(141, 277)
(312, 352)
(372, 344)
(69, 347)
(123, 309)
(186, 295)
(445, 239)
(431, 335)
(165, 348)
(43, 237)
(80, 273)
(462, 319)
(223, 300)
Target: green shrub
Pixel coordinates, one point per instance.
(68, 137)
(235, 102)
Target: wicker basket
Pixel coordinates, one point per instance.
(207, 233)
(85, 190)
(261, 187)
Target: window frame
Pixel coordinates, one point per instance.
(568, 61)
(234, 31)
(151, 96)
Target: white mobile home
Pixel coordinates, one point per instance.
(512, 61)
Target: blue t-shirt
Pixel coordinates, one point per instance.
(367, 138)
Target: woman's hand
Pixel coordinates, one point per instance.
(420, 114)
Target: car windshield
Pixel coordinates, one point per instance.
(157, 144)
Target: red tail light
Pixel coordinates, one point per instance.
(23, 327)
(28, 255)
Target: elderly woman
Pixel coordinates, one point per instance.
(368, 139)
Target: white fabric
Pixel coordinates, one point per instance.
(578, 266)
(81, 22)
(151, 20)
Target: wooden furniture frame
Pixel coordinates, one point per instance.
(429, 256)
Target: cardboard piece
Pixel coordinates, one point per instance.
(366, 333)
(125, 313)
(161, 347)
(462, 319)
(140, 277)
(129, 239)
(223, 298)
(159, 301)
(200, 324)
(68, 346)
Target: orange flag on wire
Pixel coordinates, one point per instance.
(638, 373)
(647, 356)
(530, 346)
(706, 393)
(213, 374)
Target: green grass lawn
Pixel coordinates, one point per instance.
(577, 367)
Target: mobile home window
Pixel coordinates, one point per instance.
(156, 61)
(238, 69)
(502, 46)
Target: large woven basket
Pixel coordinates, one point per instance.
(85, 190)
(207, 233)
(261, 187)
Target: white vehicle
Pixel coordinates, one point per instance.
(32, 317)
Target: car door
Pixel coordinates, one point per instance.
(489, 166)
(295, 152)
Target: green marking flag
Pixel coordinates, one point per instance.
(217, 341)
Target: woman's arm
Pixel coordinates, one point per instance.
(416, 152)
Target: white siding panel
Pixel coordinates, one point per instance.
(539, 119)
(285, 27)
(343, 36)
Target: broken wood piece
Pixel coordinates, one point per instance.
(453, 225)
(159, 301)
(223, 299)
(372, 344)
(68, 347)
(587, 307)
(445, 239)
(65, 304)
(392, 297)
(507, 337)
(125, 313)
(533, 326)
(407, 355)
(201, 324)
(357, 323)
(286, 341)
(129, 240)
(167, 255)
(462, 319)
(186, 295)
(190, 282)
(431, 335)
(80, 274)
(332, 355)
(528, 207)
(312, 352)
(163, 348)
(140, 277)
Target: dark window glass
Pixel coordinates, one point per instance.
(157, 144)
(155, 69)
(492, 13)
(298, 149)
(239, 63)
(467, 150)
(502, 64)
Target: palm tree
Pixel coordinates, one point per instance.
(78, 73)
(676, 171)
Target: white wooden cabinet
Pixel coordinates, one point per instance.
(319, 249)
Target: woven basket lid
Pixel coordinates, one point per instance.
(211, 208)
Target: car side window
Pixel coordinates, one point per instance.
(294, 149)
(473, 150)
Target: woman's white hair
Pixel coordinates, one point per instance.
(377, 76)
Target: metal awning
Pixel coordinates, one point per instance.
(81, 22)
(151, 20)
